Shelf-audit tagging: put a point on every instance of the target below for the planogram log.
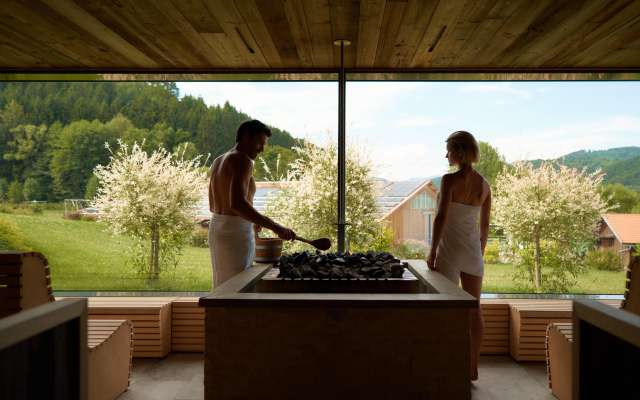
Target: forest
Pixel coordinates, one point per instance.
(52, 134)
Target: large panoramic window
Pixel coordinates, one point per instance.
(562, 159)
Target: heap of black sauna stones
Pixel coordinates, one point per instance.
(378, 265)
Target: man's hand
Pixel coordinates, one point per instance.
(284, 233)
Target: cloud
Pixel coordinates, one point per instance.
(305, 109)
(417, 121)
(405, 161)
(596, 134)
(499, 88)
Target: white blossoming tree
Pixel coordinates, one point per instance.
(151, 198)
(549, 215)
(308, 201)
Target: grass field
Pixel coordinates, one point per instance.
(83, 256)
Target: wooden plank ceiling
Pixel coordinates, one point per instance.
(298, 34)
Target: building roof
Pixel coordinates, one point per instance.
(389, 194)
(394, 194)
(626, 227)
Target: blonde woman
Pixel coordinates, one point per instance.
(461, 228)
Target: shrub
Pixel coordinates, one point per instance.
(200, 237)
(410, 250)
(11, 238)
(492, 253)
(605, 260)
(383, 241)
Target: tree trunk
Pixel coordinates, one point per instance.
(154, 269)
(538, 270)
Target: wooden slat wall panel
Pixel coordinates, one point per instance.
(496, 328)
(187, 330)
(150, 318)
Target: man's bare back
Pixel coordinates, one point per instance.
(232, 186)
(220, 182)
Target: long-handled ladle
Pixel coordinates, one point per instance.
(320, 244)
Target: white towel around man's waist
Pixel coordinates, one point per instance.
(232, 246)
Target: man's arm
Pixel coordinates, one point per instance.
(241, 175)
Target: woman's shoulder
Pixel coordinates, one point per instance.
(449, 176)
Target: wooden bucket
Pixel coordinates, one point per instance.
(268, 250)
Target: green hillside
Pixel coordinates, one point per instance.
(621, 164)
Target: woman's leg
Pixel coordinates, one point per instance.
(473, 285)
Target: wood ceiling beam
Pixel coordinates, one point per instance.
(97, 29)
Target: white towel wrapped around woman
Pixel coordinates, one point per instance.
(232, 245)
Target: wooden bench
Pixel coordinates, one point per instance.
(559, 337)
(150, 319)
(110, 347)
(25, 283)
(528, 323)
(187, 325)
(496, 326)
(528, 326)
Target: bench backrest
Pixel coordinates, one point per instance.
(25, 282)
(631, 300)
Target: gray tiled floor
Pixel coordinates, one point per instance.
(179, 377)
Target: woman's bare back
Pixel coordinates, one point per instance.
(468, 187)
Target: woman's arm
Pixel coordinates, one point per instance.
(485, 217)
(441, 218)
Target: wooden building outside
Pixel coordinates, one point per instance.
(409, 208)
(619, 233)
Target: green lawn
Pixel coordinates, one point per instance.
(498, 279)
(83, 256)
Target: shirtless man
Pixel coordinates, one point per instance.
(231, 190)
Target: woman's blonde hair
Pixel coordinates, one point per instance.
(464, 147)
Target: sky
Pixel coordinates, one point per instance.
(401, 126)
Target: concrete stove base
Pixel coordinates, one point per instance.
(337, 346)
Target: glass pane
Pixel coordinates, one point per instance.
(53, 135)
(541, 145)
